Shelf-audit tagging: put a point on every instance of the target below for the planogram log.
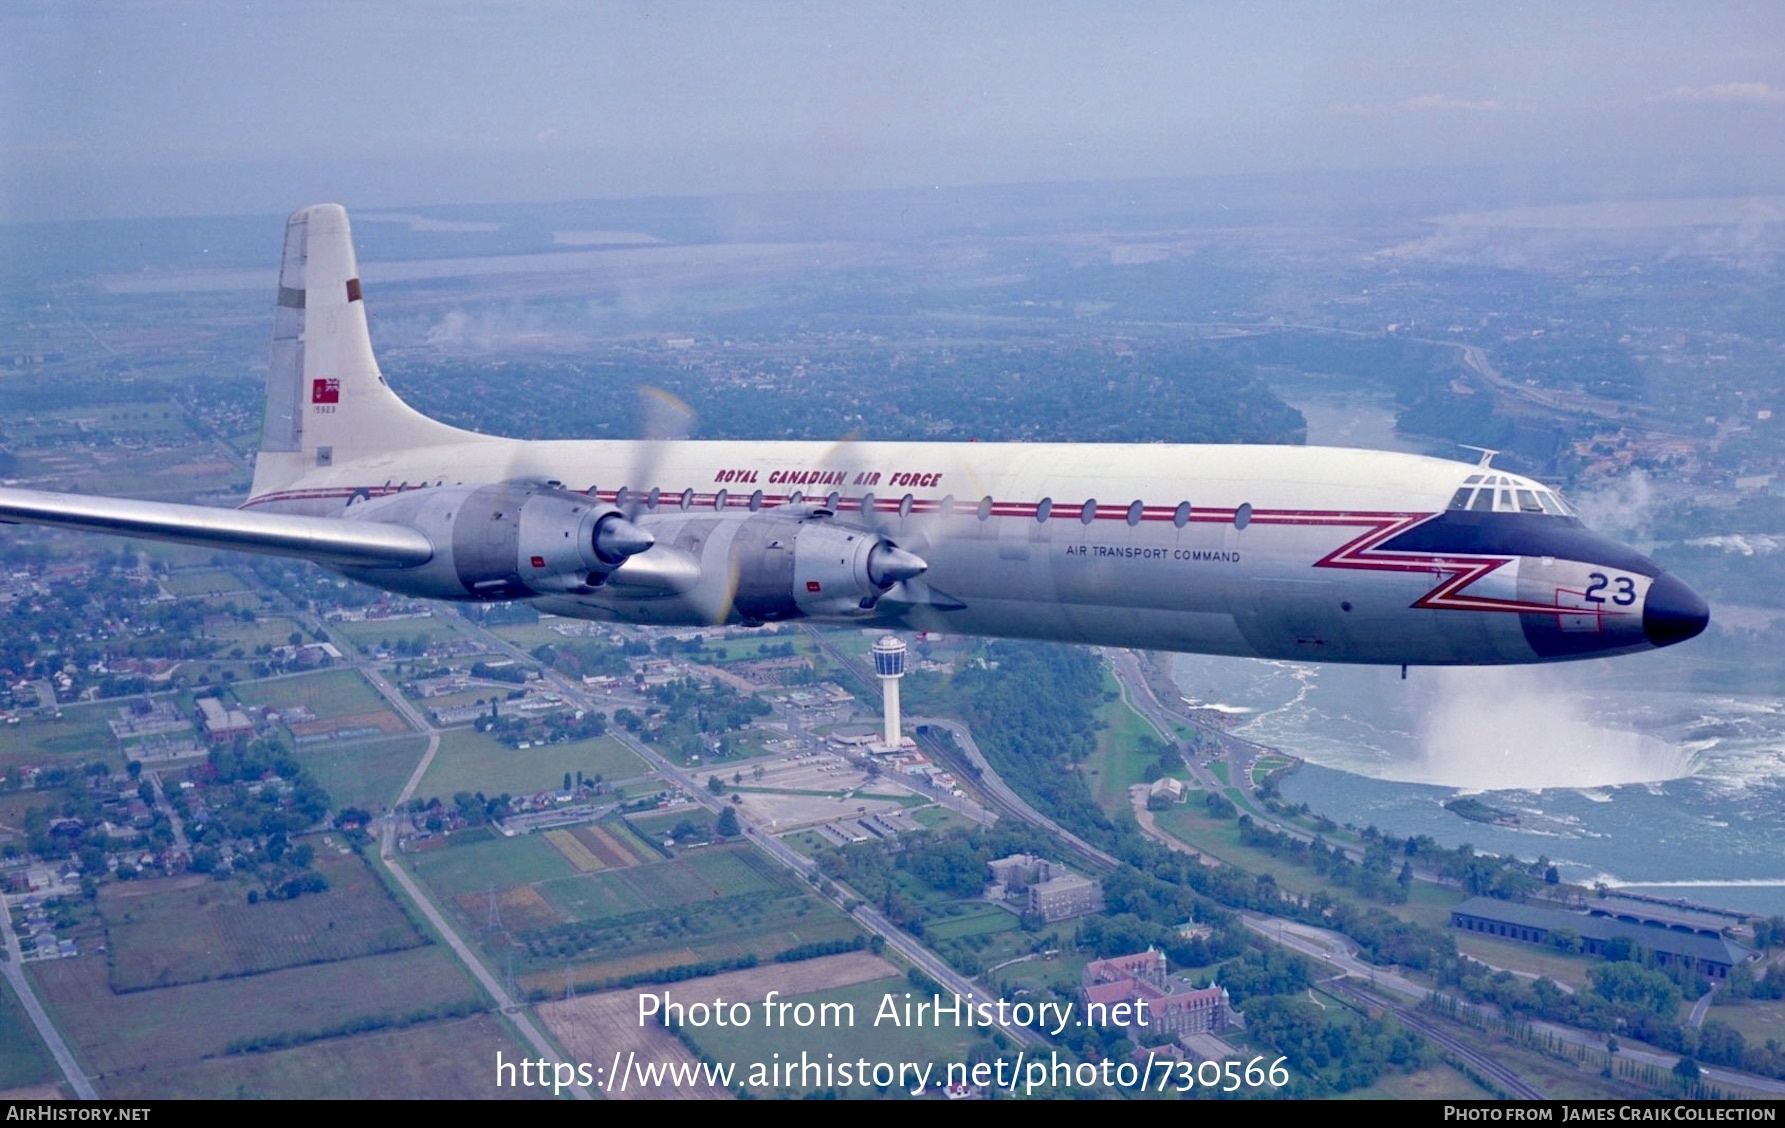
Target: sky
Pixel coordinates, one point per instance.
(121, 110)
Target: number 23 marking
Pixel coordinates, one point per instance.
(1624, 589)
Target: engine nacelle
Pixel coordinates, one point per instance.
(759, 568)
(509, 541)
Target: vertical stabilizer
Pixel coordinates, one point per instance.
(327, 403)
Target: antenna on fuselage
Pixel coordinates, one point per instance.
(1487, 456)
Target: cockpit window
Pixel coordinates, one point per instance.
(1497, 493)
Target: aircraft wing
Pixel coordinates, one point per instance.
(325, 540)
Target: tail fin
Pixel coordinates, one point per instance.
(327, 403)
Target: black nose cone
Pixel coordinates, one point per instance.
(1673, 612)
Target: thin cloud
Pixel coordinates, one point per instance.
(1420, 103)
(1748, 93)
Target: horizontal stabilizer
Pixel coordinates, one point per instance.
(325, 540)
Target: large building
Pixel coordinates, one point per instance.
(1046, 888)
(1705, 950)
(1174, 1007)
(222, 723)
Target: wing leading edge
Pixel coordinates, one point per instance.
(325, 540)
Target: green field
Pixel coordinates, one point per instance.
(380, 632)
(1118, 763)
(599, 896)
(1534, 958)
(719, 902)
(939, 818)
(1061, 971)
(331, 693)
(697, 876)
(114, 1032)
(203, 581)
(79, 737)
(23, 1058)
(448, 1060)
(1266, 765)
(476, 860)
(979, 920)
(1439, 1082)
(529, 636)
(270, 630)
(1220, 838)
(1757, 1019)
(474, 761)
(366, 773)
(181, 930)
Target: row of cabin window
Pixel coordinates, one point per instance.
(1043, 510)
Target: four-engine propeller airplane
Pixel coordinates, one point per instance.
(1276, 552)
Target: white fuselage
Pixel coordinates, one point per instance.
(1230, 549)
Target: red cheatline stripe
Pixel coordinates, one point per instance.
(1461, 570)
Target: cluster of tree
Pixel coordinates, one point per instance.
(1600, 368)
(73, 821)
(257, 797)
(1370, 878)
(364, 1024)
(82, 622)
(1121, 933)
(706, 708)
(1266, 970)
(290, 800)
(817, 948)
(585, 658)
(504, 671)
(467, 809)
(675, 974)
(652, 927)
(558, 727)
(1628, 998)
(1333, 1053)
(1029, 706)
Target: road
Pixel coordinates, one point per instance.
(415, 717)
(1002, 797)
(14, 970)
(515, 1013)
